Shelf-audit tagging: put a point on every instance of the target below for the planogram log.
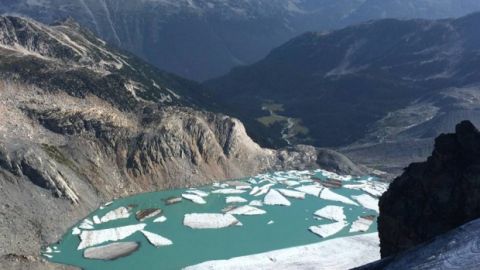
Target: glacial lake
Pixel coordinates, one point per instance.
(280, 227)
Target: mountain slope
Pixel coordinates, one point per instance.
(201, 39)
(81, 124)
(334, 89)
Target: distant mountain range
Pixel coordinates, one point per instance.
(381, 82)
(202, 39)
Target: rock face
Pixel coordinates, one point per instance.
(433, 197)
(81, 124)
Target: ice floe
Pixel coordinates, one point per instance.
(156, 239)
(235, 199)
(96, 220)
(292, 193)
(270, 222)
(86, 224)
(194, 198)
(341, 253)
(209, 221)
(173, 200)
(331, 212)
(275, 198)
(313, 190)
(76, 231)
(263, 190)
(327, 194)
(93, 238)
(119, 213)
(328, 230)
(160, 219)
(256, 203)
(228, 191)
(111, 251)
(367, 201)
(246, 210)
(362, 224)
(197, 192)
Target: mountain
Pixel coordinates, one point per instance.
(202, 39)
(370, 83)
(433, 197)
(429, 216)
(82, 123)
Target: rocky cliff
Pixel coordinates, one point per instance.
(435, 196)
(81, 124)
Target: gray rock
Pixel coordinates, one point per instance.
(435, 196)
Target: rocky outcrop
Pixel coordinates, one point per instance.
(433, 197)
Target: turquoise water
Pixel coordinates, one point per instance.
(193, 246)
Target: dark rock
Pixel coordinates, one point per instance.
(147, 213)
(433, 197)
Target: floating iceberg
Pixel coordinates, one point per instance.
(119, 213)
(156, 239)
(76, 231)
(263, 190)
(292, 193)
(246, 210)
(256, 203)
(194, 198)
(160, 219)
(86, 224)
(235, 199)
(209, 221)
(111, 251)
(93, 238)
(275, 198)
(327, 194)
(270, 222)
(254, 190)
(331, 212)
(367, 201)
(228, 191)
(313, 190)
(197, 192)
(327, 230)
(362, 224)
